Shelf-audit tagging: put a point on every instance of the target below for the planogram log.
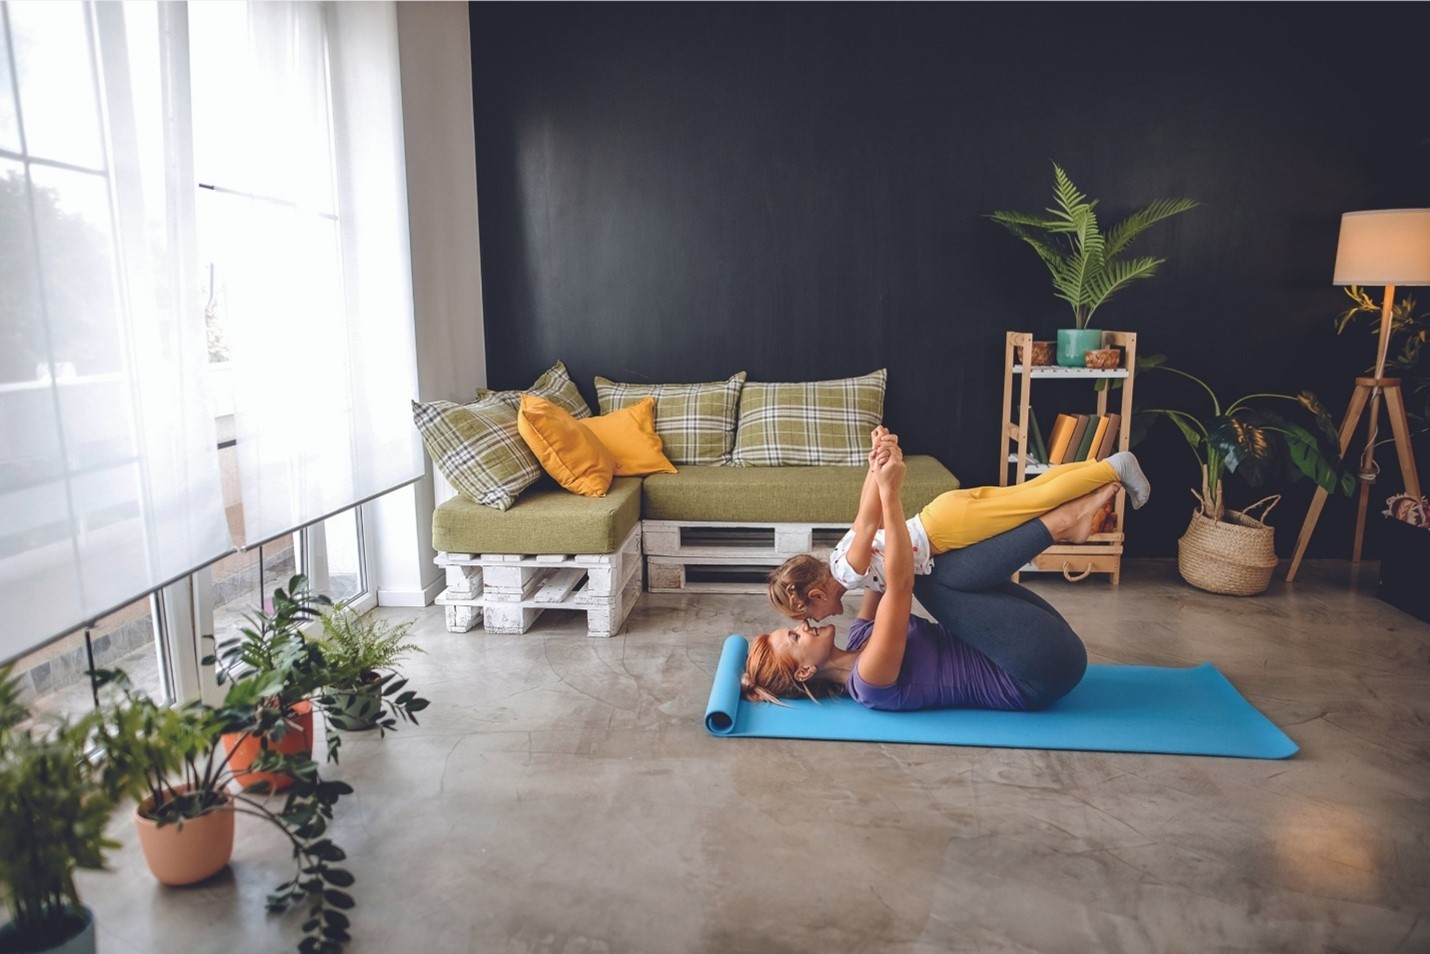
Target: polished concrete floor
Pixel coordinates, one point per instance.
(562, 795)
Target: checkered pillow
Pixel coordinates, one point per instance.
(555, 385)
(810, 423)
(478, 449)
(696, 422)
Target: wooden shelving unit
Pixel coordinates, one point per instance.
(1102, 553)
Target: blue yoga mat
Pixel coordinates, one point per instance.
(1192, 711)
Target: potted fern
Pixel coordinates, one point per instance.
(364, 689)
(54, 805)
(1088, 267)
(1229, 551)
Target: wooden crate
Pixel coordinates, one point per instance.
(1076, 561)
(509, 591)
(703, 556)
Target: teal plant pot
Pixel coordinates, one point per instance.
(1073, 343)
(80, 943)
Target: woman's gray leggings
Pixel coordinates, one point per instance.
(972, 597)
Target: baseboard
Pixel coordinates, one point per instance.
(422, 597)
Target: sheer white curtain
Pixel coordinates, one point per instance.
(109, 479)
(298, 143)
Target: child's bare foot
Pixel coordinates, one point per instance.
(1076, 520)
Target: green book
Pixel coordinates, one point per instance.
(1037, 450)
(1087, 435)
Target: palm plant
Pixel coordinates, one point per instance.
(1085, 263)
(1253, 441)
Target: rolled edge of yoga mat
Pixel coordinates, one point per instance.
(725, 691)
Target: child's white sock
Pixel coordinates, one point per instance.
(1129, 472)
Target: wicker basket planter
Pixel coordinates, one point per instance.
(1234, 556)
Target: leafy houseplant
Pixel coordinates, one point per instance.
(169, 759)
(1258, 444)
(1088, 267)
(54, 805)
(360, 653)
(1227, 551)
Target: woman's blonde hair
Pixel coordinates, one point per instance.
(769, 676)
(791, 582)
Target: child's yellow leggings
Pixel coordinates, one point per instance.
(960, 518)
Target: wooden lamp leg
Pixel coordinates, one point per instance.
(1358, 401)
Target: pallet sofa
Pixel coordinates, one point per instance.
(734, 478)
(706, 529)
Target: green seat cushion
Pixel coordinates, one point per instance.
(545, 519)
(827, 494)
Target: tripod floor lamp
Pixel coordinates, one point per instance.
(1389, 247)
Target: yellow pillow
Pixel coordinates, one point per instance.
(629, 434)
(566, 450)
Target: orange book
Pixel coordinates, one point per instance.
(1109, 439)
(1059, 438)
(1094, 445)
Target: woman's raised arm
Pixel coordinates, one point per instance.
(883, 655)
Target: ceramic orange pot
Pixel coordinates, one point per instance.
(244, 747)
(188, 851)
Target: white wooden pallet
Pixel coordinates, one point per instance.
(508, 591)
(707, 556)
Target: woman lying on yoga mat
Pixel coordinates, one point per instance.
(998, 645)
(805, 588)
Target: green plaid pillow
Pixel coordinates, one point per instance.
(810, 423)
(696, 422)
(478, 449)
(555, 385)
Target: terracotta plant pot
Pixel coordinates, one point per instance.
(188, 851)
(244, 748)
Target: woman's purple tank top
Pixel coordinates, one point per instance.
(940, 671)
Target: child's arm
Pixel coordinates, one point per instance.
(883, 656)
(871, 514)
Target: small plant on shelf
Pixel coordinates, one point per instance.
(1088, 267)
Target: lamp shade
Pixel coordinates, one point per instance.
(1384, 247)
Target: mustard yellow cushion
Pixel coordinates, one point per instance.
(629, 434)
(572, 455)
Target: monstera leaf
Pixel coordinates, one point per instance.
(1244, 443)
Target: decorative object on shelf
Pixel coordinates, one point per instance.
(1102, 358)
(1084, 263)
(54, 805)
(1408, 509)
(1258, 444)
(1043, 353)
(1386, 247)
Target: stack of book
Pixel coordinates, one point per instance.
(1074, 437)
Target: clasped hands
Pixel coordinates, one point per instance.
(886, 458)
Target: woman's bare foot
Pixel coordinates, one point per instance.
(1073, 521)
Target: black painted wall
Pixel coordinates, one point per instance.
(678, 192)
